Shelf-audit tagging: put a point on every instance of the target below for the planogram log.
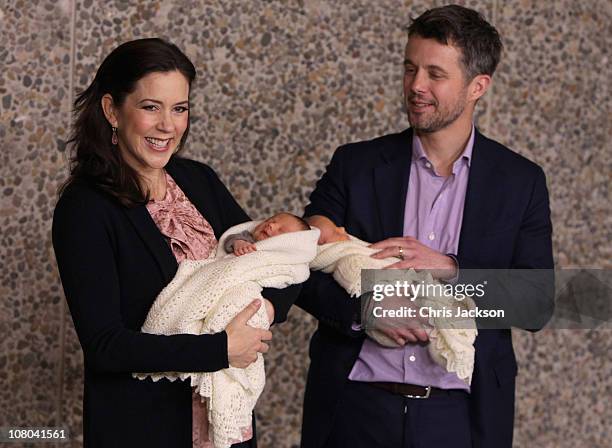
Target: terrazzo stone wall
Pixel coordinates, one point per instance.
(281, 84)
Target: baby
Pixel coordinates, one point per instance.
(243, 243)
(330, 233)
(205, 295)
(345, 256)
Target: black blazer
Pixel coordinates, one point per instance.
(113, 262)
(506, 224)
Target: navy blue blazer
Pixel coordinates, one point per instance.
(506, 224)
(113, 262)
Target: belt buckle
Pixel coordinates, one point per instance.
(427, 392)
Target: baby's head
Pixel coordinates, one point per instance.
(279, 224)
(330, 233)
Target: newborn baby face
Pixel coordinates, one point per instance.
(277, 225)
(330, 233)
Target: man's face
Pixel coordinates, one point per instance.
(435, 89)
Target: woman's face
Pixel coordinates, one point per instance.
(151, 121)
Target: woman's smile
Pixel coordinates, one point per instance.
(158, 144)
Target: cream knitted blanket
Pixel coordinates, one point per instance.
(451, 339)
(203, 298)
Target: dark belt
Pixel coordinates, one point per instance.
(414, 391)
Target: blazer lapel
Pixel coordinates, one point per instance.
(480, 195)
(391, 184)
(200, 196)
(153, 239)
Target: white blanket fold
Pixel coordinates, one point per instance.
(205, 295)
(451, 340)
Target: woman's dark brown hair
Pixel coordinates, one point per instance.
(95, 160)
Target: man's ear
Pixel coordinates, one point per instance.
(479, 86)
(108, 107)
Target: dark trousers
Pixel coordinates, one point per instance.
(369, 417)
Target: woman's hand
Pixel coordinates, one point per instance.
(244, 341)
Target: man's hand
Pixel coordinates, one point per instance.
(242, 247)
(400, 329)
(416, 256)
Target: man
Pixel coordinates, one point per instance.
(441, 196)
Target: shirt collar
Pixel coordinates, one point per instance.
(418, 153)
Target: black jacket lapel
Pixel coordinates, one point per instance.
(480, 196)
(153, 239)
(391, 183)
(198, 191)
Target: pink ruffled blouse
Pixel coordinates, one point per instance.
(190, 237)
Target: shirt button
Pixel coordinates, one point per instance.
(412, 358)
(431, 236)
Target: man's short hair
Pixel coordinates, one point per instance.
(466, 29)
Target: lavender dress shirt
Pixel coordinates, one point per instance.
(433, 215)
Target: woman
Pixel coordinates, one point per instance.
(129, 212)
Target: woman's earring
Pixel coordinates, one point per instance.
(114, 139)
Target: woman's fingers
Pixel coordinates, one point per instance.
(244, 342)
(266, 335)
(248, 311)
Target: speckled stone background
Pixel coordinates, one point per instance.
(281, 84)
